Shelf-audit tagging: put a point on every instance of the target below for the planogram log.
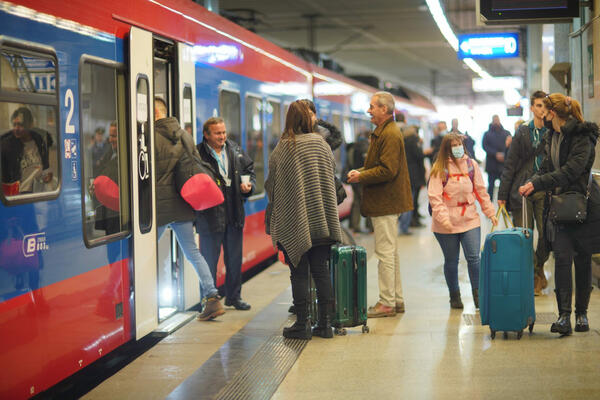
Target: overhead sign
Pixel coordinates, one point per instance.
(497, 84)
(507, 12)
(488, 45)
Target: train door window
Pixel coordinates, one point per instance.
(273, 122)
(29, 139)
(105, 180)
(229, 106)
(187, 114)
(254, 140)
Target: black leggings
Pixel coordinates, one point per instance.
(317, 261)
(567, 251)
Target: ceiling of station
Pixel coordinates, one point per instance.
(395, 40)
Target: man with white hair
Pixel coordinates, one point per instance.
(386, 195)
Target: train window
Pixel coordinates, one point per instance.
(254, 139)
(187, 115)
(105, 180)
(229, 105)
(273, 122)
(29, 140)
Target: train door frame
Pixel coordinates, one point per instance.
(144, 252)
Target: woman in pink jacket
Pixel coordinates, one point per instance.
(454, 186)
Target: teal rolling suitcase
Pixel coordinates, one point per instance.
(348, 266)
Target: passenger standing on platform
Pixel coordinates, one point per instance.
(386, 195)
(454, 186)
(171, 209)
(495, 145)
(468, 141)
(525, 156)
(302, 216)
(569, 155)
(330, 132)
(359, 155)
(223, 225)
(438, 134)
(416, 171)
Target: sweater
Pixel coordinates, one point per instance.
(455, 202)
(302, 198)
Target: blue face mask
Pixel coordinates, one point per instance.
(458, 152)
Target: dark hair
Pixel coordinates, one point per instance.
(297, 120)
(311, 106)
(400, 117)
(538, 94)
(26, 115)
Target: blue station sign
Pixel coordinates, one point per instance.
(488, 45)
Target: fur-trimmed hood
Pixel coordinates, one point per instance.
(573, 128)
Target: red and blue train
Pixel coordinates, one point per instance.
(79, 279)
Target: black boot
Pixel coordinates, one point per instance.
(301, 328)
(455, 301)
(582, 299)
(292, 309)
(323, 328)
(475, 297)
(563, 324)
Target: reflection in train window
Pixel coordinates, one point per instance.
(229, 106)
(105, 179)
(28, 126)
(254, 140)
(273, 122)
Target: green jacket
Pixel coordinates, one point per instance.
(384, 178)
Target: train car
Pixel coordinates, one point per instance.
(81, 272)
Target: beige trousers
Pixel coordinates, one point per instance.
(386, 250)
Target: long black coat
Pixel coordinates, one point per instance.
(576, 157)
(414, 161)
(518, 167)
(494, 142)
(215, 219)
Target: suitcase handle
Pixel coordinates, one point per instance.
(525, 219)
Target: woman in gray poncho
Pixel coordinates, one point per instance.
(302, 215)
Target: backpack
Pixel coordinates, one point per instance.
(470, 172)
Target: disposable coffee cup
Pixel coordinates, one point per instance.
(245, 178)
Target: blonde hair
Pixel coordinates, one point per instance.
(563, 106)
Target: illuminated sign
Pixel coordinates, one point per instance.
(503, 12)
(488, 45)
(499, 83)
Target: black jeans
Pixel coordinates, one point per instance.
(210, 247)
(315, 260)
(566, 250)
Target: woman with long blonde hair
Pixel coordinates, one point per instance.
(569, 155)
(455, 184)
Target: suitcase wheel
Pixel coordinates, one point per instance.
(520, 334)
(531, 328)
(505, 335)
(340, 331)
(365, 329)
(492, 333)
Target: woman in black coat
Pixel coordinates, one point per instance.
(569, 156)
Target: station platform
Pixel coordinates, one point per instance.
(429, 352)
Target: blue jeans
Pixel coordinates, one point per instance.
(231, 240)
(184, 232)
(405, 219)
(450, 244)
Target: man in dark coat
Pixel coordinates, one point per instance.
(171, 142)
(525, 156)
(494, 144)
(223, 225)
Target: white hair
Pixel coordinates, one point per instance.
(385, 99)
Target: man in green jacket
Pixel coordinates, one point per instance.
(386, 195)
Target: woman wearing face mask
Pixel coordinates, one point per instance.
(454, 186)
(569, 155)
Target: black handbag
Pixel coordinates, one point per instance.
(569, 207)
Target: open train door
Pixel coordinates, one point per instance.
(187, 108)
(143, 214)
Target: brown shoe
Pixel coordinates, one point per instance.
(212, 309)
(379, 311)
(537, 285)
(544, 280)
(399, 308)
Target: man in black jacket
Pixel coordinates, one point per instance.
(171, 143)
(525, 156)
(223, 225)
(495, 143)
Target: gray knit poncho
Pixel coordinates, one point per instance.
(301, 192)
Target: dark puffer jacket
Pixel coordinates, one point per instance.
(576, 157)
(170, 143)
(518, 167)
(494, 142)
(215, 219)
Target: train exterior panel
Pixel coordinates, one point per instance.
(68, 297)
